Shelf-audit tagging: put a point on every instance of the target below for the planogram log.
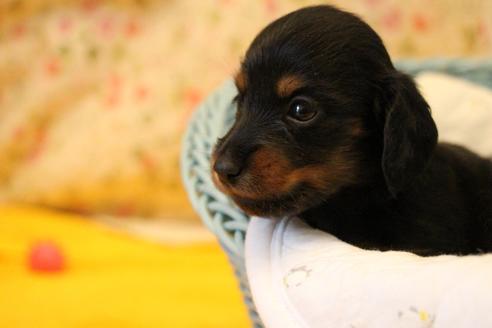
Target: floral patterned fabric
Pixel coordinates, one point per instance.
(95, 95)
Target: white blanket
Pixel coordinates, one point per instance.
(301, 277)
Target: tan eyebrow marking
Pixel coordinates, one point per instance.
(287, 84)
(240, 81)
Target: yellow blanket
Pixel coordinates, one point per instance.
(111, 280)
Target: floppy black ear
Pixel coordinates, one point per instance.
(410, 134)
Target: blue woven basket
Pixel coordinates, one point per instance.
(212, 119)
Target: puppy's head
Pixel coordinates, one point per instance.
(320, 108)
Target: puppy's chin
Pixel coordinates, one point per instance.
(269, 203)
(259, 203)
(292, 203)
(269, 208)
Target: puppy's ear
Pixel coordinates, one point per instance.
(410, 134)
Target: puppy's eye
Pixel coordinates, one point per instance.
(301, 110)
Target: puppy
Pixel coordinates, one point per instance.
(329, 131)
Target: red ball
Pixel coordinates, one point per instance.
(46, 257)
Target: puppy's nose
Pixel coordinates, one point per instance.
(227, 169)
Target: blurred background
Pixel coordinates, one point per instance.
(94, 99)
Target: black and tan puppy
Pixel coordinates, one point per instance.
(328, 130)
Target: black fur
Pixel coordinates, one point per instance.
(403, 190)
